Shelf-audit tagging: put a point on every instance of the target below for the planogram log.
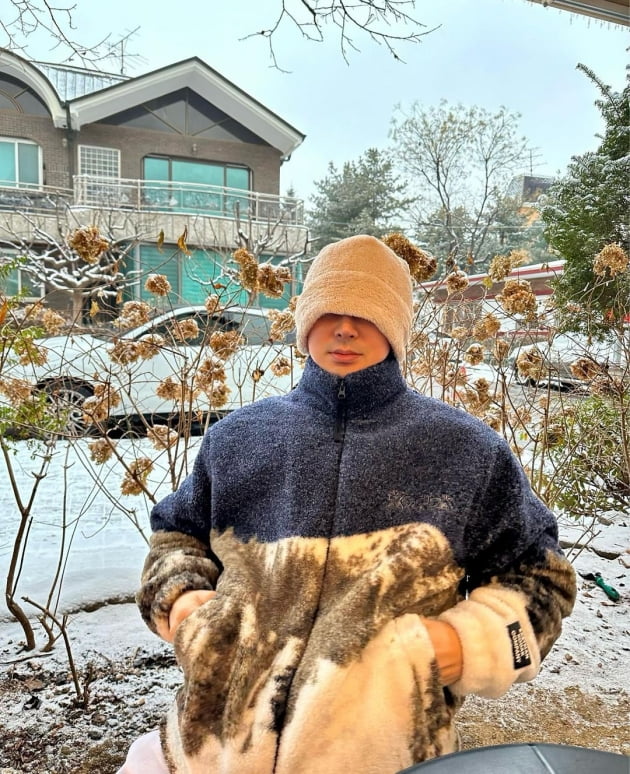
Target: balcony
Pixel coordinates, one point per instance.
(147, 207)
(183, 198)
(153, 196)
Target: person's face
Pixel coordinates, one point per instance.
(341, 344)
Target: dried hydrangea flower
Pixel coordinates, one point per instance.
(531, 364)
(212, 304)
(88, 243)
(248, 274)
(106, 392)
(474, 354)
(124, 352)
(150, 345)
(493, 420)
(517, 297)
(500, 349)
(612, 259)
(460, 333)
(95, 410)
(17, 390)
(272, 279)
(169, 389)
(487, 327)
(585, 368)
(456, 282)
(283, 322)
(210, 372)
(219, 396)
(158, 284)
(482, 386)
(135, 313)
(162, 437)
(281, 366)
(183, 330)
(135, 478)
(502, 265)
(225, 343)
(52, 321)
(418, 340)
(421, 265)
(101, 450)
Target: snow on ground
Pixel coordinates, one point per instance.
(107, 552)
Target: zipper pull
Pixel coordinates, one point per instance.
(340, 418)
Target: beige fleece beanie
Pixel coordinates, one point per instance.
(359, 276)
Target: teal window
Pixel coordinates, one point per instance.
(203, 186)
(19, 163)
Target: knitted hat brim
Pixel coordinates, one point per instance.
(357, 294)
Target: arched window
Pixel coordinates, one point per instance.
(16, 96)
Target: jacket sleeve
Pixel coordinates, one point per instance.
(180, 558)
(519, 588)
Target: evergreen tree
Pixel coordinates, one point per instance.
(588, 209)
(364, 197)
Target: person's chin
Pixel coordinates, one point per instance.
(343, 369)
(345, 362)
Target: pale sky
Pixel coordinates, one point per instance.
(485, 52)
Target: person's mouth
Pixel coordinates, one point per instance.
(344, 355)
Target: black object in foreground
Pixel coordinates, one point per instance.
(532, 758)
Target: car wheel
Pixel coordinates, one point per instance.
(65, 399)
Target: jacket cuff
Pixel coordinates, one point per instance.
(176, 563)
(498, 642)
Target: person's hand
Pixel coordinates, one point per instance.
(448, 649)
(182, 608)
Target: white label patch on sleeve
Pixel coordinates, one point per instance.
(520, 651)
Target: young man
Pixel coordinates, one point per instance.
(345, 563)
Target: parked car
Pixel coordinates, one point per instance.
(80, 366)
(559, 354)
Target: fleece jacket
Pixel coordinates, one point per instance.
(330, 521)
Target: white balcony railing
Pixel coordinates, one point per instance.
(164, 196)
(151, 195)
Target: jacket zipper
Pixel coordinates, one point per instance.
(340, 418)
(338, 437)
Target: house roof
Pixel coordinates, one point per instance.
(613, 11)
(208, 83)
(190, 73)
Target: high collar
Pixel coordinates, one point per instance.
(365, 390)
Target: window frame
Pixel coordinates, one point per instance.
(17, 183)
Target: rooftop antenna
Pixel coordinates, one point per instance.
(534, 159)
(118, 50)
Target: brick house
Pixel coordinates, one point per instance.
(177, 150)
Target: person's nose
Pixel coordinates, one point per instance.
(345, 328)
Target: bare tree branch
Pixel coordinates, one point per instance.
(386, 22)
(57, 23)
